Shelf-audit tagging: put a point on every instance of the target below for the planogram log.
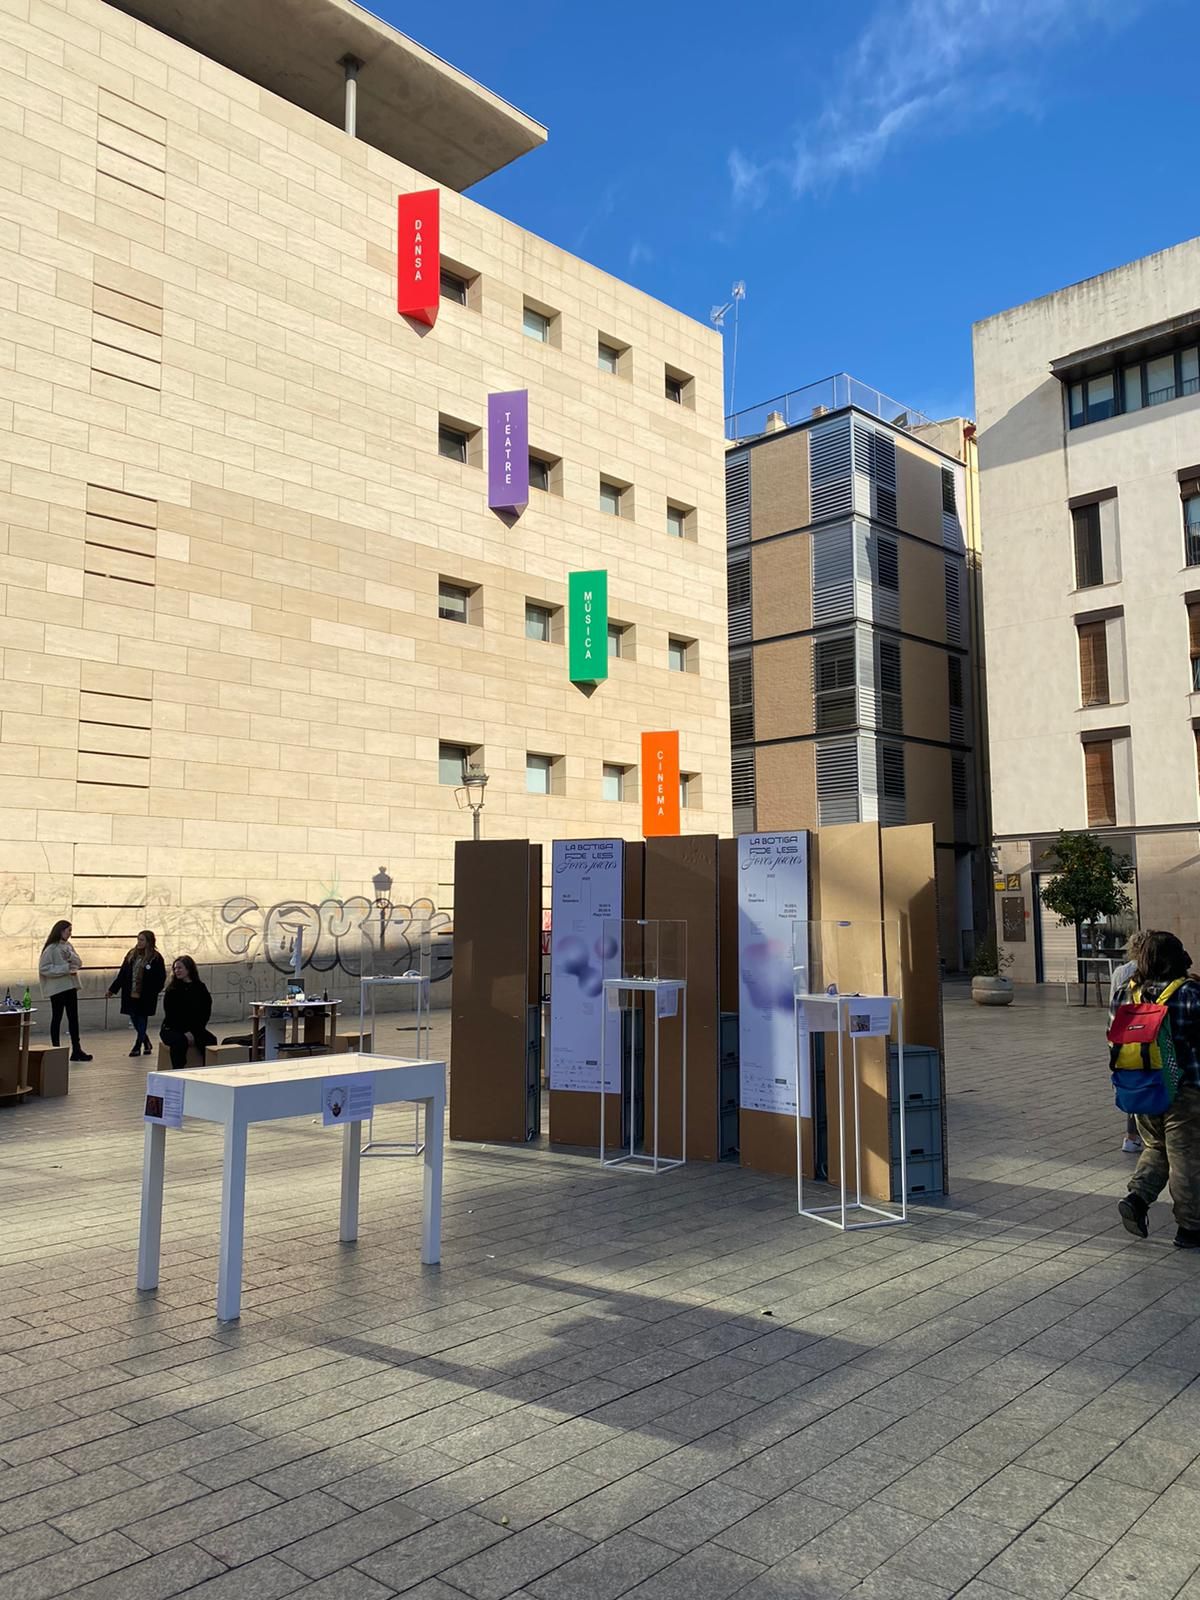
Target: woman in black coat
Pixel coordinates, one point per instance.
(139, 983)
(187, 1006)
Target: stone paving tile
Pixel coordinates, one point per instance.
(979, 1405)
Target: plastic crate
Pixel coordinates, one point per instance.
(922, 1076)
(925, 1180)
(922, 1133)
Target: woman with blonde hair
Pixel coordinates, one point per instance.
(139, 983)
(59, 967)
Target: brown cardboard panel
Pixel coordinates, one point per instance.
(681, 883)
(497, 917)
(848, 886)
(768, 1143)
(574, 1117)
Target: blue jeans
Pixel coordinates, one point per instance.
(139, 1025)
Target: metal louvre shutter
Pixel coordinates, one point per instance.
(739, 599)
(741, 698)
(954, 672)
(743, 791)
(891, 702)
(885, 575)
(737, 497)
(868, 780)
(837, 781)
(868, 688)
(892, 800)
(830, 468)
(833, 575)
(953, 603)
(952, 533)
(958, 783)
(875, 458)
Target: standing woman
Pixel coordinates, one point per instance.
(187, 1006)
(59, 969)
(140, 982)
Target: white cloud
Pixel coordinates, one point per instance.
(921, 66)
(639, 252)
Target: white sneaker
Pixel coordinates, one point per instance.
(1131, 1146)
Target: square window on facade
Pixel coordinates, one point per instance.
(674, 390)
(453, 760)
(539, 473)
(608, 357)
(613, 781)
(539, 622)
(677, 521)
(677, 387)
(536, 325)
(616, 640)
(611, 498)
(1100, 783)
(1093, 664)
(1160, 380)
(453, 602)
(678, 655)
(1102, 397)
(453, 443)
(452, 287)
(539, 772)
(1191, 530)
(686, 790)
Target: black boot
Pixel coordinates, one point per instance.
(1133, 1211)
(1187, 1239)
(137, 1048)
(78, 1053)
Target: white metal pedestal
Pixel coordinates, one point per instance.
(419, 984)
(650, 1161)
(836, 1009)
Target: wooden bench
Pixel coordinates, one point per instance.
(216, 1055)
(48, 1071)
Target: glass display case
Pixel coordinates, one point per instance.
(644, 971)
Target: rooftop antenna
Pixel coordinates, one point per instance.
(717, 317)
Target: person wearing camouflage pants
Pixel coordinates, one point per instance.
(1171, 1154)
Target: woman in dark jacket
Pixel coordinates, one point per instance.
(187, 1006)
(139, 983)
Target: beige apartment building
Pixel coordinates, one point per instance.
(1089, 418)
(257, 612)
(853, 668)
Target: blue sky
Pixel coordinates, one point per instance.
(880, 175)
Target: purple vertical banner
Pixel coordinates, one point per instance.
(508, 450)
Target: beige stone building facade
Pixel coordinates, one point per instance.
(254, 604)
(1089, 417)
(854, 692)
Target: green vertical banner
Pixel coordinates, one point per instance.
(587, 626)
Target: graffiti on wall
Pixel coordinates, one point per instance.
(356, 935)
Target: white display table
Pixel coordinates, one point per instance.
(669, 998)
(267, 1092)
(832, 1013)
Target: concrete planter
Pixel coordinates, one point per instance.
(992, 991)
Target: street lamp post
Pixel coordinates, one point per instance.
(475, 781)
(383, 887)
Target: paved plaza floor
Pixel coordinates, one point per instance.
(614, 1385)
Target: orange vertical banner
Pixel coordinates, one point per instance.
(660, 783)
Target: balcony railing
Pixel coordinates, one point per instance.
(830, 394)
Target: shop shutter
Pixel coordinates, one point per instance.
(1093, 664)
(1101, 789)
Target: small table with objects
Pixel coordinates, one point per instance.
(235, 1097)
(293, 1027)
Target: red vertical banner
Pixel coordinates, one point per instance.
(418, 256)
(660, 783)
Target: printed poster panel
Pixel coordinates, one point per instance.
(586, 888)
(772, 895)
(164, 1099)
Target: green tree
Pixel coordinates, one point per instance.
(1088, 883)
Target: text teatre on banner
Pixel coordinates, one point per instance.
(660, 786)
(418, 256)
(508, 450)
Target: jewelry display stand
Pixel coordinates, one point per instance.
(645, 959)
(418, 983)
(820, 953)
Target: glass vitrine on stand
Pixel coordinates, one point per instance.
(416, 983)
(841, 992)
(644, 970)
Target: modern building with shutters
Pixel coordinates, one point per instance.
(1088, 406)
(853, 583)
(265, 590)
